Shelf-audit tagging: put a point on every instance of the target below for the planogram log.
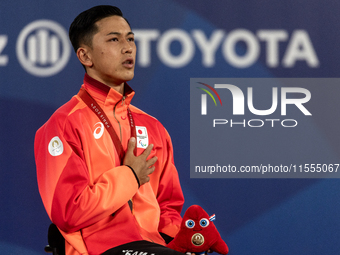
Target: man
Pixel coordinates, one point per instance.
(105, 169)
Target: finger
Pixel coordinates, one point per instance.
(147, 151)
(131, 145)
(144, 180)
(151, 161)
(150, 170)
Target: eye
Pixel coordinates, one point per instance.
(131, 39)
(204, 222)
(189, 223)
(114, 39)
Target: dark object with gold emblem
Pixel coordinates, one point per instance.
(197, 239)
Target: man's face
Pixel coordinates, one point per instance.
(113, 52)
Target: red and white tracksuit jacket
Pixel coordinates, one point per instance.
(84, 188)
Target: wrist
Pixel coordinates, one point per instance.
(133, 171)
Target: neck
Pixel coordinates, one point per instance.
(118, 88)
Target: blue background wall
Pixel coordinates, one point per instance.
(254, 216)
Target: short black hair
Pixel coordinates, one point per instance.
(83, 27)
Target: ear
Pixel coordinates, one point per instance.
(84, 56)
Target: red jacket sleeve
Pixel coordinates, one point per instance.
(71, 199)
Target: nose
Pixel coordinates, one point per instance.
(127, 47)
(197, 227)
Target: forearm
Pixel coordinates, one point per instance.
(76, 206)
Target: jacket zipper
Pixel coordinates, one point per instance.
(120, 133)
(114, 115)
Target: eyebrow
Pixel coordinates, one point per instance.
(117, 33)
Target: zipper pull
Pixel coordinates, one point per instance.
(123, 100)
(130, 204)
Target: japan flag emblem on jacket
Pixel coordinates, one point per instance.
(142, 137)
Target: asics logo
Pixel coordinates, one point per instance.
(99, 130)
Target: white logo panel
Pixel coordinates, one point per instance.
(55, 147)
(142, 137)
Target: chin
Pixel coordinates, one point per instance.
(129, 77)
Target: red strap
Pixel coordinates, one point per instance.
(133, 129)
(94, 106)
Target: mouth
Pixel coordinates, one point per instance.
(128, 63)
